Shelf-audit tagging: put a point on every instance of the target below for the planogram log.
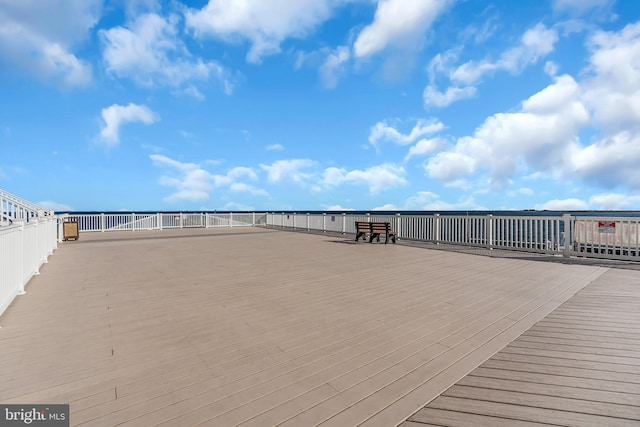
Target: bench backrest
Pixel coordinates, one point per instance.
(380, 227)
(376, 227)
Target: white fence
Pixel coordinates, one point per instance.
(601, 237)
(158, 221)
(13, 208)
(28, 236)
(24, 247)
(607, 237)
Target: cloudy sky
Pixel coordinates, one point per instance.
(321, 104)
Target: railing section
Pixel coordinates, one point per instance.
(24, 247)
(604, 237)
(157, 221)
(13, 208)
(613, 238)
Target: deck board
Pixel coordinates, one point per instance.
(580, 365)
(259, 327)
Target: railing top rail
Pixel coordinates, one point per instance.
(20, 201)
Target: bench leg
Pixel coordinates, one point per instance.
(358, 235)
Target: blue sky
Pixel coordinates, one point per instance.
(321, 104)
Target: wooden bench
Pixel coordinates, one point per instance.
(375, 229)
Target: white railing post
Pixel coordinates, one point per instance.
(21, 250)
(344, 223)
(324, 222)
(282, 220)
(489, 228)
(61, 227)
(102, 223)
(294, 220)
(159, 215)
(133, 222)
(180, 219)
(230, 219)
(253, 219)
(308, 221)
(566, 252)
(436, 224)
(398, 225)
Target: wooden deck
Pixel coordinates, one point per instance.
(579, 366)
(260, 327)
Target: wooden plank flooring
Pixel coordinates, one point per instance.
(258, 327)
(579, 366)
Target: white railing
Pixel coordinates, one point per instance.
(13, 208)
(29, 236)
(607, 237)
(24, 247)
(585, 236)
(102, 222)
(603, 237)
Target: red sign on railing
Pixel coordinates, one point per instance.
(607, 227)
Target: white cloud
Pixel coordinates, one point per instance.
(117, 115)
(289, 170)
(377, 178)
(161, 160)
(614, 201)
(333, 66)
(386, 207)
(150, 52)
(384, 132)
(337, 208)
(452, 167)
(233, 175)
(265, 24)
(429, 201)
(135, 8)
(398, 24)
(424, 147)
(551, 68)
(613, 92)
(234, 206)
(191, 182)
(434, 98)
(442, 63)
(611, 162)
(571, 204)
(40, 37)
(193, 92)
(240, 187)
(541, 137)
(535, 44)
(274, 147)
